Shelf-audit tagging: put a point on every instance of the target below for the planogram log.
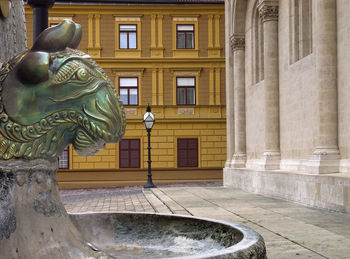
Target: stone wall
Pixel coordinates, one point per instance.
(298, 99)
(297, 130)
(13, 39)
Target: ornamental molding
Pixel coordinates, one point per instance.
(128, 71)
(127, 19)
(179, 73)
(185, 71)
(237, 42)
(268, 12)
(185, 19)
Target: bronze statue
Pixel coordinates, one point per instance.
(54, 95)
(50, 96)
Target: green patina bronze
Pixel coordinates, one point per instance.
(54, 95)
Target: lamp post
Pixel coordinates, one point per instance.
(148, 120)
(40, 15)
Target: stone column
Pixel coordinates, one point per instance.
(239, 156)
(13, 39)
(229, 89)
(325, 158)
(268, 12)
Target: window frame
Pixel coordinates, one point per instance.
(128, 39)
(128, 89)
(186, 87)
(129, 150)
(181, 19)
(66, 150)
(127, 19)
(186, 32)
(185, 163)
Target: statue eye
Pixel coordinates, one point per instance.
(82, 74)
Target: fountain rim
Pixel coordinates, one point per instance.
(250, 237)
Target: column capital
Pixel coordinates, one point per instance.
(268, 10)
(237, 42)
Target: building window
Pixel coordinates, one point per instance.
(300, 29)
(185, 36)
(129, 153)
(63, 160)
(127, 36)
(187, 152)
(185, 90)
(128, 90)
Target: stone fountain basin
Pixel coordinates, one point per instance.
(148, 235)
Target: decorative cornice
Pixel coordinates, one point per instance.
(185, 71)
(237, 42)
(128, 71)
(268, 12)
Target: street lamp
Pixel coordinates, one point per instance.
(148, 120)
(40, 15)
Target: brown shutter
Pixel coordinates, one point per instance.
(187, 152)
(129, 153)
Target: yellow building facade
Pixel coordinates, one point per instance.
(170, 56)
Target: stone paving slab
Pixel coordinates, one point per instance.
(290, 230)
(287, 228)
(110, 200)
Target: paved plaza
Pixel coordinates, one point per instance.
(290, 230)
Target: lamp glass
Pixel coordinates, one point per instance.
(148, 120)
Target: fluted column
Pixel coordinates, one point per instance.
(239, 156)
(325, 158)
(268, 12)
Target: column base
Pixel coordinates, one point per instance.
(271, 160)
(228, 163)
(324, 161)
(238, 160)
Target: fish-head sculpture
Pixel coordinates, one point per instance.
(54, 95)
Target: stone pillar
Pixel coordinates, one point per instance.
(32, 214)
(325, 158)
(229, 89)
(268, 12)
(239, 156)
(13, 34)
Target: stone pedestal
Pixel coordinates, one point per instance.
(33, 221)
(324, 161)
(271, 160)
(239, 160)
